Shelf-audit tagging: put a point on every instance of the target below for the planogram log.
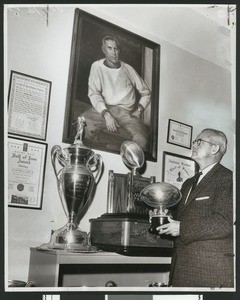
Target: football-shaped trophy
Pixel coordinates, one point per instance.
(160, 196)
(133, 157)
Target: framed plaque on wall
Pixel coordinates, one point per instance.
(179, 134)
(177, 168)
(26, 168)
(28, 106)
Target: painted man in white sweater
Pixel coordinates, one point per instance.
(112, 89)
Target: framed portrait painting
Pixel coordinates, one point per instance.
(138, 52)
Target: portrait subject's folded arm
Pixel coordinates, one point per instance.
(218, 224)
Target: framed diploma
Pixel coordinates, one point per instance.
(179, 134)
(177, 168)
(26, 168)
(28, 105)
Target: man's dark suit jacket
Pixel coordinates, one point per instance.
(203, 253)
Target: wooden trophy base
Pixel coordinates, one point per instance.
(128, 234)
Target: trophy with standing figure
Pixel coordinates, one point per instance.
(76, 183)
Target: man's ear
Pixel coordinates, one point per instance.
(103, 49)
(215, 149)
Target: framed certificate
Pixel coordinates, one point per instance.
(28, 105)
(177, 168)
(179, 134)
(26, 168)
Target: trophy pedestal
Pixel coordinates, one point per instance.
(69, 238)
(129, 235)
(157, 221)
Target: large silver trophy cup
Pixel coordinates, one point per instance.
(76, 182)
(159, 196)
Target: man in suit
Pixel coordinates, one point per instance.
(203, 252)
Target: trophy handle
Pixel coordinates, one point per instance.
(56, 153)
(94, 164)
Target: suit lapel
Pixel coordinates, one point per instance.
(206, 179)
(185, 192)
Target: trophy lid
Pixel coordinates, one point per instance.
(132, 155)
(160, 194)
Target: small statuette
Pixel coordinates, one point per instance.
(81, 123)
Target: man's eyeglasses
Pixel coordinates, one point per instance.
(199, 141)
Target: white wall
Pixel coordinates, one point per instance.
(193, 90)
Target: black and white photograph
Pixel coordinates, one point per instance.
(119, 147)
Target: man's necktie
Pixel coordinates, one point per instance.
(195, 181)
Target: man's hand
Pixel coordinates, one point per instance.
(172, 228)
(111, 123)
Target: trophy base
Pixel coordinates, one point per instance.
(127, 235)
(69, 238)
(72, 248)
(157, 221)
